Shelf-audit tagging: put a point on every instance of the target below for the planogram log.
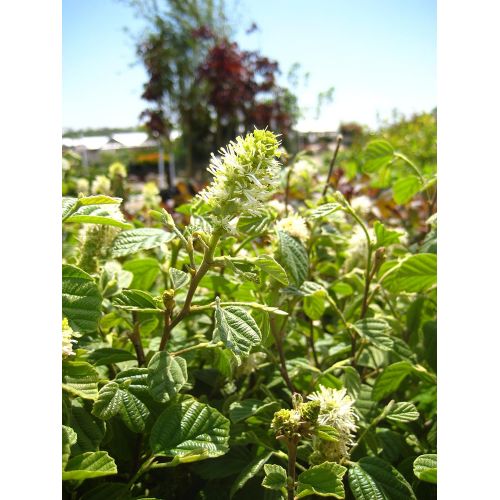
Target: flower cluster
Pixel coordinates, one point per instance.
(117, 169)
(101, 185)
(67, 341)
(151, 195)
(335, 411)
(295, 225)
(245, 175)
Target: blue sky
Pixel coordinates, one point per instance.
(379, 56)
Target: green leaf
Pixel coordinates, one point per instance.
(390, 483)
(405, 188)
(352, 381)
(136, 300)
(390, 379)
(107, 491)
(81, 299)
(327, 433)
(378, 154)
(251, 470)
(135, 240)
(236, 329)
(293, 256)
(166, 376)
(324, 480)
(403, 412)
(104, 214)
(376, 331)
(363, 486)
(425, 468)
(275, 477)
(145, 272)
(80, 379)
(416, 273)
(384, 236)
(314, 304)
(134, 380)
(109, 355)
(89, 465)
(241, 410)
(254, 224)
(133, 411)
(179, 278)
(324, 210)
(187, 427)
(90, 431)
(108, 402)
(99, 199)
(271, 267)
(69, 438)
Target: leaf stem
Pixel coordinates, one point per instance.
(332, 164)
(203, 345)
(292, 458)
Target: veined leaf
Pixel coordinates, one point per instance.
(134, 240)
(252, 224)
(324, 480)
(107, 215)
(133, 411)
(166, 376)
(109, 355)
(376, 331)
(89, 465)
(145, 272)
(378, 154)
(81, 299)
(275, 477)
(405, 188)
(390, 379)
(188, 426)
(90, 431)
(236, 329)
(136, 300)
(417, 273)
(293, 256)
(134, 380)
(373, 472)
(324, 210)
(271, 267)
(384, 236)
(251, 470)
(108, 402)
(179, 278)
(80, 379)
(425, 468)
(403, 412)
(68, 440)
(98, 199)
(241, 410)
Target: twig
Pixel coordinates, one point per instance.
(332, 164)
(135, 338)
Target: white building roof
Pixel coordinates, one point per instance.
(130, 139)
(90, 143)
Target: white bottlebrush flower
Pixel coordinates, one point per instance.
(279, 207)
(67, 341)
(134, 204)
(82, 185)
(245, 175)
(117, 169)
(362, 205)
(336, 411)
(151, 194)
(295, 225)
(303, 170)
(101, 185)
(357, 248)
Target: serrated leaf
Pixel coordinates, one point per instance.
(81, 299)
(254, 224)
(271, 267)
(352, 381)
(327, 433)
(69, 438)
(378, 154)
(133, 411)
(405, 188)
(145, 272)
(236, 329)
(384, 236)
(134, 380)
(108, 401)
(425, 468)
(179, 278)
(166, 376)
(241, 410)
(376, 331)
(324, 210)
(104, 214)
(98, 199)
(135, 240)
(251, 470)
(416, 273)
(324, 480)
(89, 465)
(390, 379)
(89, 430)
(275, 477)
(136, 300)
(80, 379)
(293, 256)
(388, 480)
(109, 355)
(403, 412)
(363, 486)
(189, 426)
